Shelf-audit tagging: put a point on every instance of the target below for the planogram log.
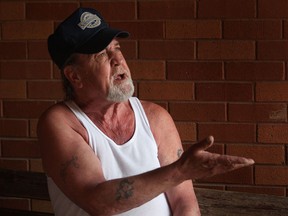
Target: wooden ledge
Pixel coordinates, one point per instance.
(216, 202)
(22, 184)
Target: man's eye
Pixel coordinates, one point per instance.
(102, 54)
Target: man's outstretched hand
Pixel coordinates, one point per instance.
(197, 163)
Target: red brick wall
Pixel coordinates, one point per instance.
(218, 66)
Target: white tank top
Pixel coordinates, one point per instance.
(138, 155)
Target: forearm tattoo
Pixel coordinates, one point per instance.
(179, 152)
(125, 189)
(70, 163)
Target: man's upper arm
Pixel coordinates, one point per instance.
(67, 158)
(165, 133)
(182, 197)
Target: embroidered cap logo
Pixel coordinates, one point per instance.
(89, 20)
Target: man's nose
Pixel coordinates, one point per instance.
(116, 58)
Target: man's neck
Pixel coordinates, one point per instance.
(102, 108)
(116, 120)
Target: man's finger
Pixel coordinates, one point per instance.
(203, 144)
(233, 162)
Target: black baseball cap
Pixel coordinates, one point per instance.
(84, 31)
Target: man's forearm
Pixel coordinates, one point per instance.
(120, 195)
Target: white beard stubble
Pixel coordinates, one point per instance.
(122, 91)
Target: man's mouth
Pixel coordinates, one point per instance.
(120, 76)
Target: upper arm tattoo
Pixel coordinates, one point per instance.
(73, 162)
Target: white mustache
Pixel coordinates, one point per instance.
(120, 72)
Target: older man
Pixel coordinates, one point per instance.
(106, 152)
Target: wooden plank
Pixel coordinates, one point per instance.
(214, 202)
(23, 184)
(13, 212)
(211, 202)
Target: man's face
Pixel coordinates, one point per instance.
(106, 74)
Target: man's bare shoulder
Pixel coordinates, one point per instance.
(55, 113)
(157, 115)
(58, 115)
(153, 110)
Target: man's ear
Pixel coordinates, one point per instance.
(72, 75)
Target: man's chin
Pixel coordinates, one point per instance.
(118, 99)
(121, 93)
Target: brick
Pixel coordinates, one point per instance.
(272, 91)
(33, 109)
(13, 164)
(38, 50)
(228, 132)
(227, 9)
(193, 29)
(215, 148)
(272, 133)
(36, 165)
(226, 50)
(49, 11)
(12, 10)
(15, 203)
(198, 111)
(240, 176)
(12, 89)
(187, 131)
(166, 50)
(257, 112)
(224, 92)
(26, 30)
(142, 30)
(251, 29)
(147, 70)
(272, 9)
(45, 90)
(13, 128)
(113, 10)
(286, 71)
(129, 49)
(25, 70)
(1, 111)
(166, 91)
(181, 70)
(271, 175)
(29, 149)
(7, 50)
(286, 29)
(263, 154)
(286, 154)
(254, 71)
(33, 128)
(166, 10)
(272, 50)
(274, 191)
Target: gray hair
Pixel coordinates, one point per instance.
(67, 87)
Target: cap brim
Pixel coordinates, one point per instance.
(101, 40)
